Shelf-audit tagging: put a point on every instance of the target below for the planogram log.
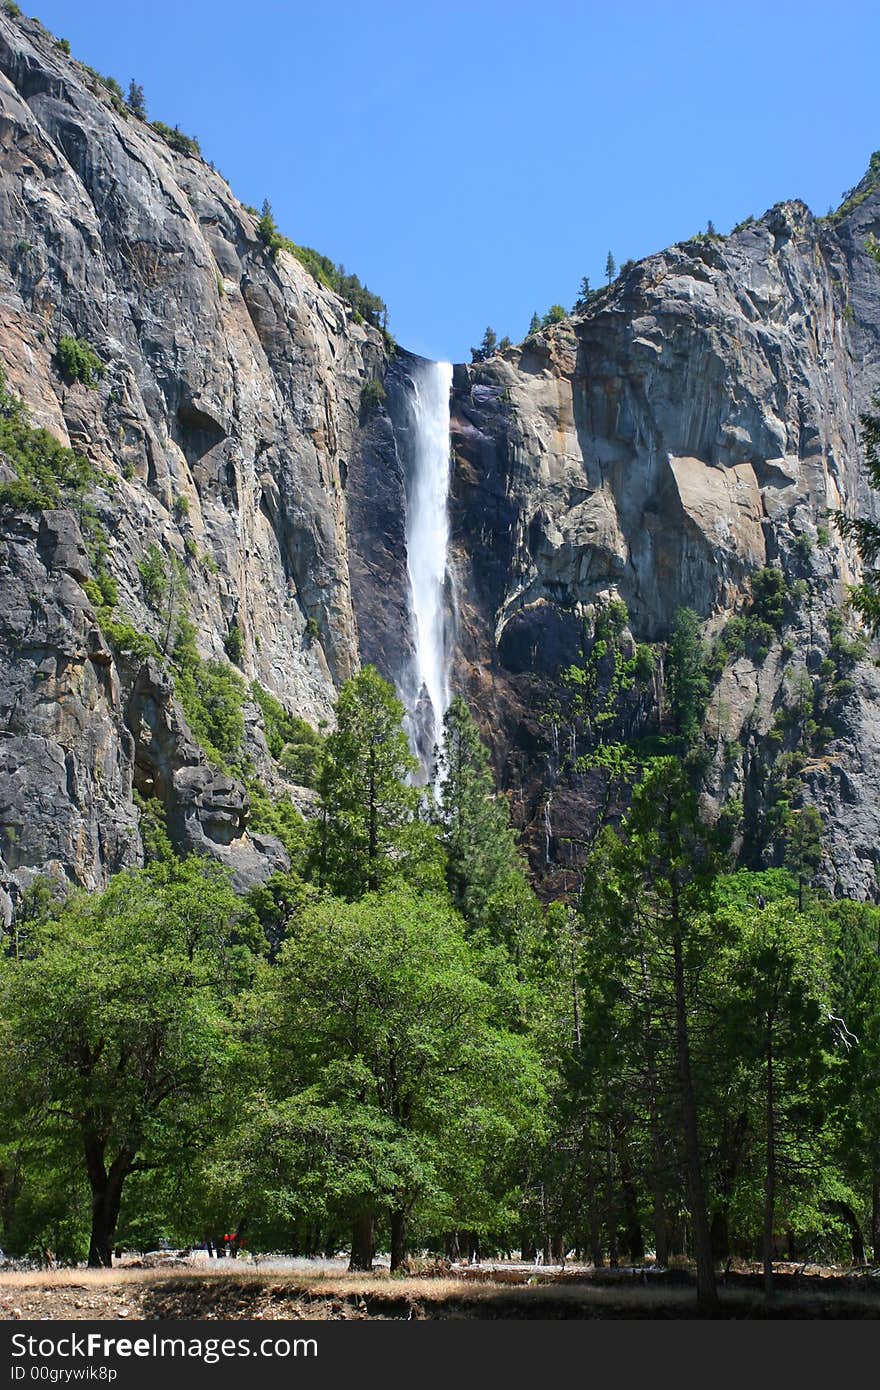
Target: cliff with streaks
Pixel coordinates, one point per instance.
(687, 430)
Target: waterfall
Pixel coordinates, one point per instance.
(427, 542)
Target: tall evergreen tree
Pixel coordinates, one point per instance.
(366, 803)
(487, 346)
(777, 1023)
(686, 675)
(656, 940)
(610, 268)
(136, 101)
(482, 859)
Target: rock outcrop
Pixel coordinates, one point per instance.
(695, 423)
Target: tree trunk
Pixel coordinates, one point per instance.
(398, 1238)
(453, 1247)
(658, 1205)
(103, 1227)
(770, 1170)
(719, 1233)
(857, 1240)
(361, 1257)
(613, 1258)
(634, 1238)
(707, 1293)
(596, 1253)
(875, 1218)
(106, 1190)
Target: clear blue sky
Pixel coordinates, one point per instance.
(472, 159)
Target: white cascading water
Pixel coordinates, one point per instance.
(427, 543)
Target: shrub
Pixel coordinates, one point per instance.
(102, 593)
(853, 199)
(176, 140)
(125, 638)
(111, 86)
(11, 10)
(372, 395)
(78, 360)
(152, 570)
(48, 473)
(768, 597)
(335, 277)
(234, 644)
(181, 508)
(212, 695)
(64, 45)
(279, 818)
(555, 314)
(293, 743)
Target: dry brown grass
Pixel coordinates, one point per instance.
(237, 1291)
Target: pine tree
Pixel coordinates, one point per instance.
(486, 348)
(654, 949)
(776, 1021)
(686, 674)
(366, 804)
(482, 860)
(135, 101)
(803, 850)
(610, 268)
(535, 324)
(584, 296)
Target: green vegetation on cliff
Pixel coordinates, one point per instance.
(48, 474)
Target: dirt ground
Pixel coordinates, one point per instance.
(249, 1293)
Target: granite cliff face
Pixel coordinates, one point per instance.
(694, 425)
(690, 427)
(226, 427)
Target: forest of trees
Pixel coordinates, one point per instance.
(396, 1046)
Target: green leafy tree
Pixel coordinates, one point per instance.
(367, 806)
(388, 1079)
(555, 314)
(115, 1033)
